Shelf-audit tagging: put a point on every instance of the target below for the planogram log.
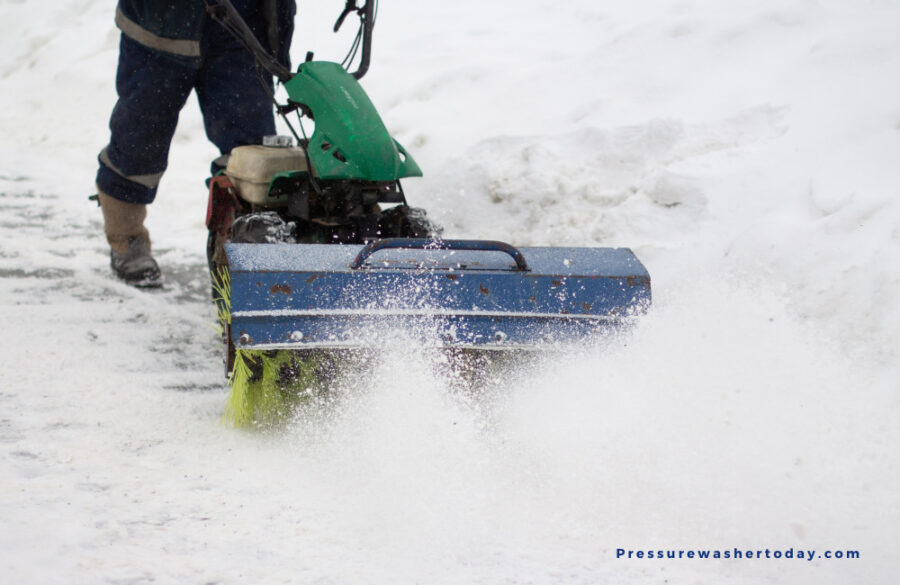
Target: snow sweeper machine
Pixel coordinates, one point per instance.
(315, 253)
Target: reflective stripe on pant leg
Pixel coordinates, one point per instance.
(186, 48)
(149, 181)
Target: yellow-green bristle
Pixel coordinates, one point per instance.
(260, 401)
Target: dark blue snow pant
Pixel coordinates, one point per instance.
(153, 88)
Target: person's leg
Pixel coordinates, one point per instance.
(237, 109)
(152, 90)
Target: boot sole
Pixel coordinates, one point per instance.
(150, 280)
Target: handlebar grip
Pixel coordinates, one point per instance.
(428, 244)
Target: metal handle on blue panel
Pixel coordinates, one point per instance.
(428, 244)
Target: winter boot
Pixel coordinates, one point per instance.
(129, 242)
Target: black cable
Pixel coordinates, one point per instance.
(224, 13)
(309, 167)
(357, 41)
(354, 48)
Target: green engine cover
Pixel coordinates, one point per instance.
(350, 140)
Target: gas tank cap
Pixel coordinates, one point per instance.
(278, 141)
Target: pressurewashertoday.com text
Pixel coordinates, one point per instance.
(735, 553)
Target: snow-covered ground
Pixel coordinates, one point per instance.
(747, 150)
